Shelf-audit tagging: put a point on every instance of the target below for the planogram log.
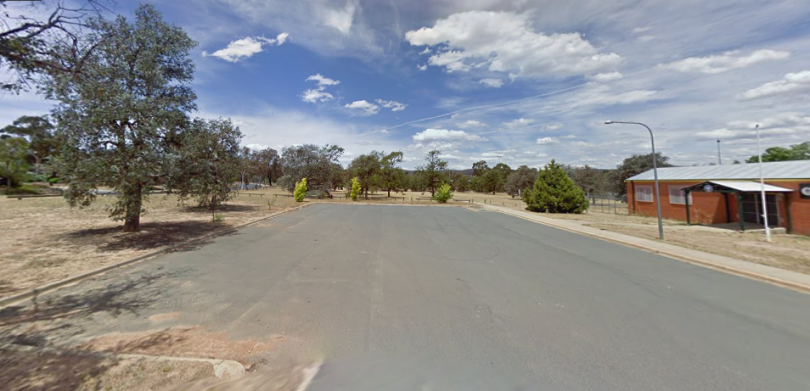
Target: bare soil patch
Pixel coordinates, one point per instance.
(190, 342)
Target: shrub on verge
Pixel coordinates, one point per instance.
(443, 193)
(300, 190)
(555, 192)
(356, 188)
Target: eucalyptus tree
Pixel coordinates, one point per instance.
(119, 116)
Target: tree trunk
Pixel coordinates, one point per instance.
(389, 193)
(213, 207)
(132, 222)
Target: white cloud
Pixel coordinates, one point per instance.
(426, 51)
(319, 94)
(489, 82)
(363, 107)
(553, 126)
(791, 82)
(444, 134)
(257, 147)
(316, 95)
(422, 67)
(724, 62)
(606, 76)
(471, 124)
(638, 30)
(341, 19)
(323, 81)
(506, 42)
(246, 47)
(778, 125)
(519, 122)
(392, 104)
(546, 140)
(570, 136)
(602, 96)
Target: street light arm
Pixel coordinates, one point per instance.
(655, 172)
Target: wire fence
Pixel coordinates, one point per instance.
(608, 204)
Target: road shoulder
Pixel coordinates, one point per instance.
(773, 275)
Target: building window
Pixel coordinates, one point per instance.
(644, 193)
(677, 196)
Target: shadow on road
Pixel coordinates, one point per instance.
(30, 324)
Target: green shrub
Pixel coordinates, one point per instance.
(34, 177)
(555, 192)
(356, 189)
(443, 193)
(219, 217)
(53, 180)
(300, 190)
(23, 189)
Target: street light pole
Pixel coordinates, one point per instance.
(655, 174)
(762, 190)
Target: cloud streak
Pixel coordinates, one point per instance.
(246, 47)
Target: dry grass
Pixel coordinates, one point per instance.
(790, 252)
(44, 240)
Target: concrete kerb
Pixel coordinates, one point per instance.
(669, 254)
(58, 284)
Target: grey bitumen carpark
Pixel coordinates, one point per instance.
(399, 296)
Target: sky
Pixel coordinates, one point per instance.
(515, 81)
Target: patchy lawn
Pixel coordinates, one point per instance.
(44, 240)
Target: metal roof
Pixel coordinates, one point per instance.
(797, 169)
(746, 186)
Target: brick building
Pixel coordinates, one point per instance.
(713, 194)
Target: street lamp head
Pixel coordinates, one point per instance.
(608, 122)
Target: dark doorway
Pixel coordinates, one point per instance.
(752, 208)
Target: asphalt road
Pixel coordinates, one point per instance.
(464, 298)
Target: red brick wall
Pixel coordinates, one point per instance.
(710, 208)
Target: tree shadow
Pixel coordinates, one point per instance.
(59, 312)
(33, 352)
(153, 235)
(32, 370)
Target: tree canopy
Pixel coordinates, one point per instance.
(55, 44)
(635, 165)
(121, 115)
(366, 168)
(38, 131)
(781, 154)
(312, 162)
(432, 173)
(208, 162)
(520, 180)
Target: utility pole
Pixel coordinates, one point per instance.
(719, 159)
(762, 190)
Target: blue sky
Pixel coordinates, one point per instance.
(527, 80)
